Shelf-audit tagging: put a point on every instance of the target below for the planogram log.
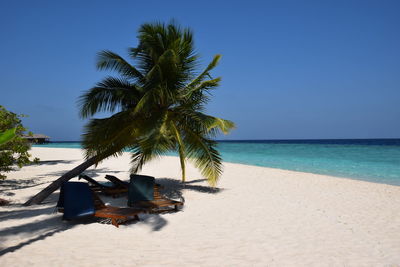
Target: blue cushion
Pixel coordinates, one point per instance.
(77, 200)
(141, 188)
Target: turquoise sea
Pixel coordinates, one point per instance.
(374, 160)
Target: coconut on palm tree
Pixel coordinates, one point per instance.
(158, 101)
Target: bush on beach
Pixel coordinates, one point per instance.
(15, 151)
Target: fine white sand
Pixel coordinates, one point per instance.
(256, 217)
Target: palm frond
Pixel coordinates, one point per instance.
(139, 158)
(215, 123)
(202, 152)
(194, 96)
(111, 134)
(109, 95)
(156, 142)
(206, 72)
(108, 60)
(202, 123)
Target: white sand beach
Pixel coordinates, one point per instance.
(256, 217)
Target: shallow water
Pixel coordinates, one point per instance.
(370, 160)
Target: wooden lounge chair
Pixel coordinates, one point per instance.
(106, 189)
(117, 182)
(77, 200)
(144, 193)
(116, 214)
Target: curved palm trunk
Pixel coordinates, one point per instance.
(42, 195)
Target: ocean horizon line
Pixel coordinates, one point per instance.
(284, 139)
(324, 141)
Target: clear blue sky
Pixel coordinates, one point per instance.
(290, 69)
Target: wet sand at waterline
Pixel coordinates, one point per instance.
(255, 217)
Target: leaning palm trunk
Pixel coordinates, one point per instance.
(95, 158)
(42, 195)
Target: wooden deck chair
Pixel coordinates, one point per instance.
(77, 200)
(102, 188)
(117, 182)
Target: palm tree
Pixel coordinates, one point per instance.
(158, 103)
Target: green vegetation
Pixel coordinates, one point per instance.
(13, 148)
(7, 135)
(158, 103)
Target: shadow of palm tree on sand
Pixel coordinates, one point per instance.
(45, 226)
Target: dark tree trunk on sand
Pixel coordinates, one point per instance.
(42, 195)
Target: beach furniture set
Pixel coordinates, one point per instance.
(80, 199)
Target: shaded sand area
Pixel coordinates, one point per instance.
(256, 217)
